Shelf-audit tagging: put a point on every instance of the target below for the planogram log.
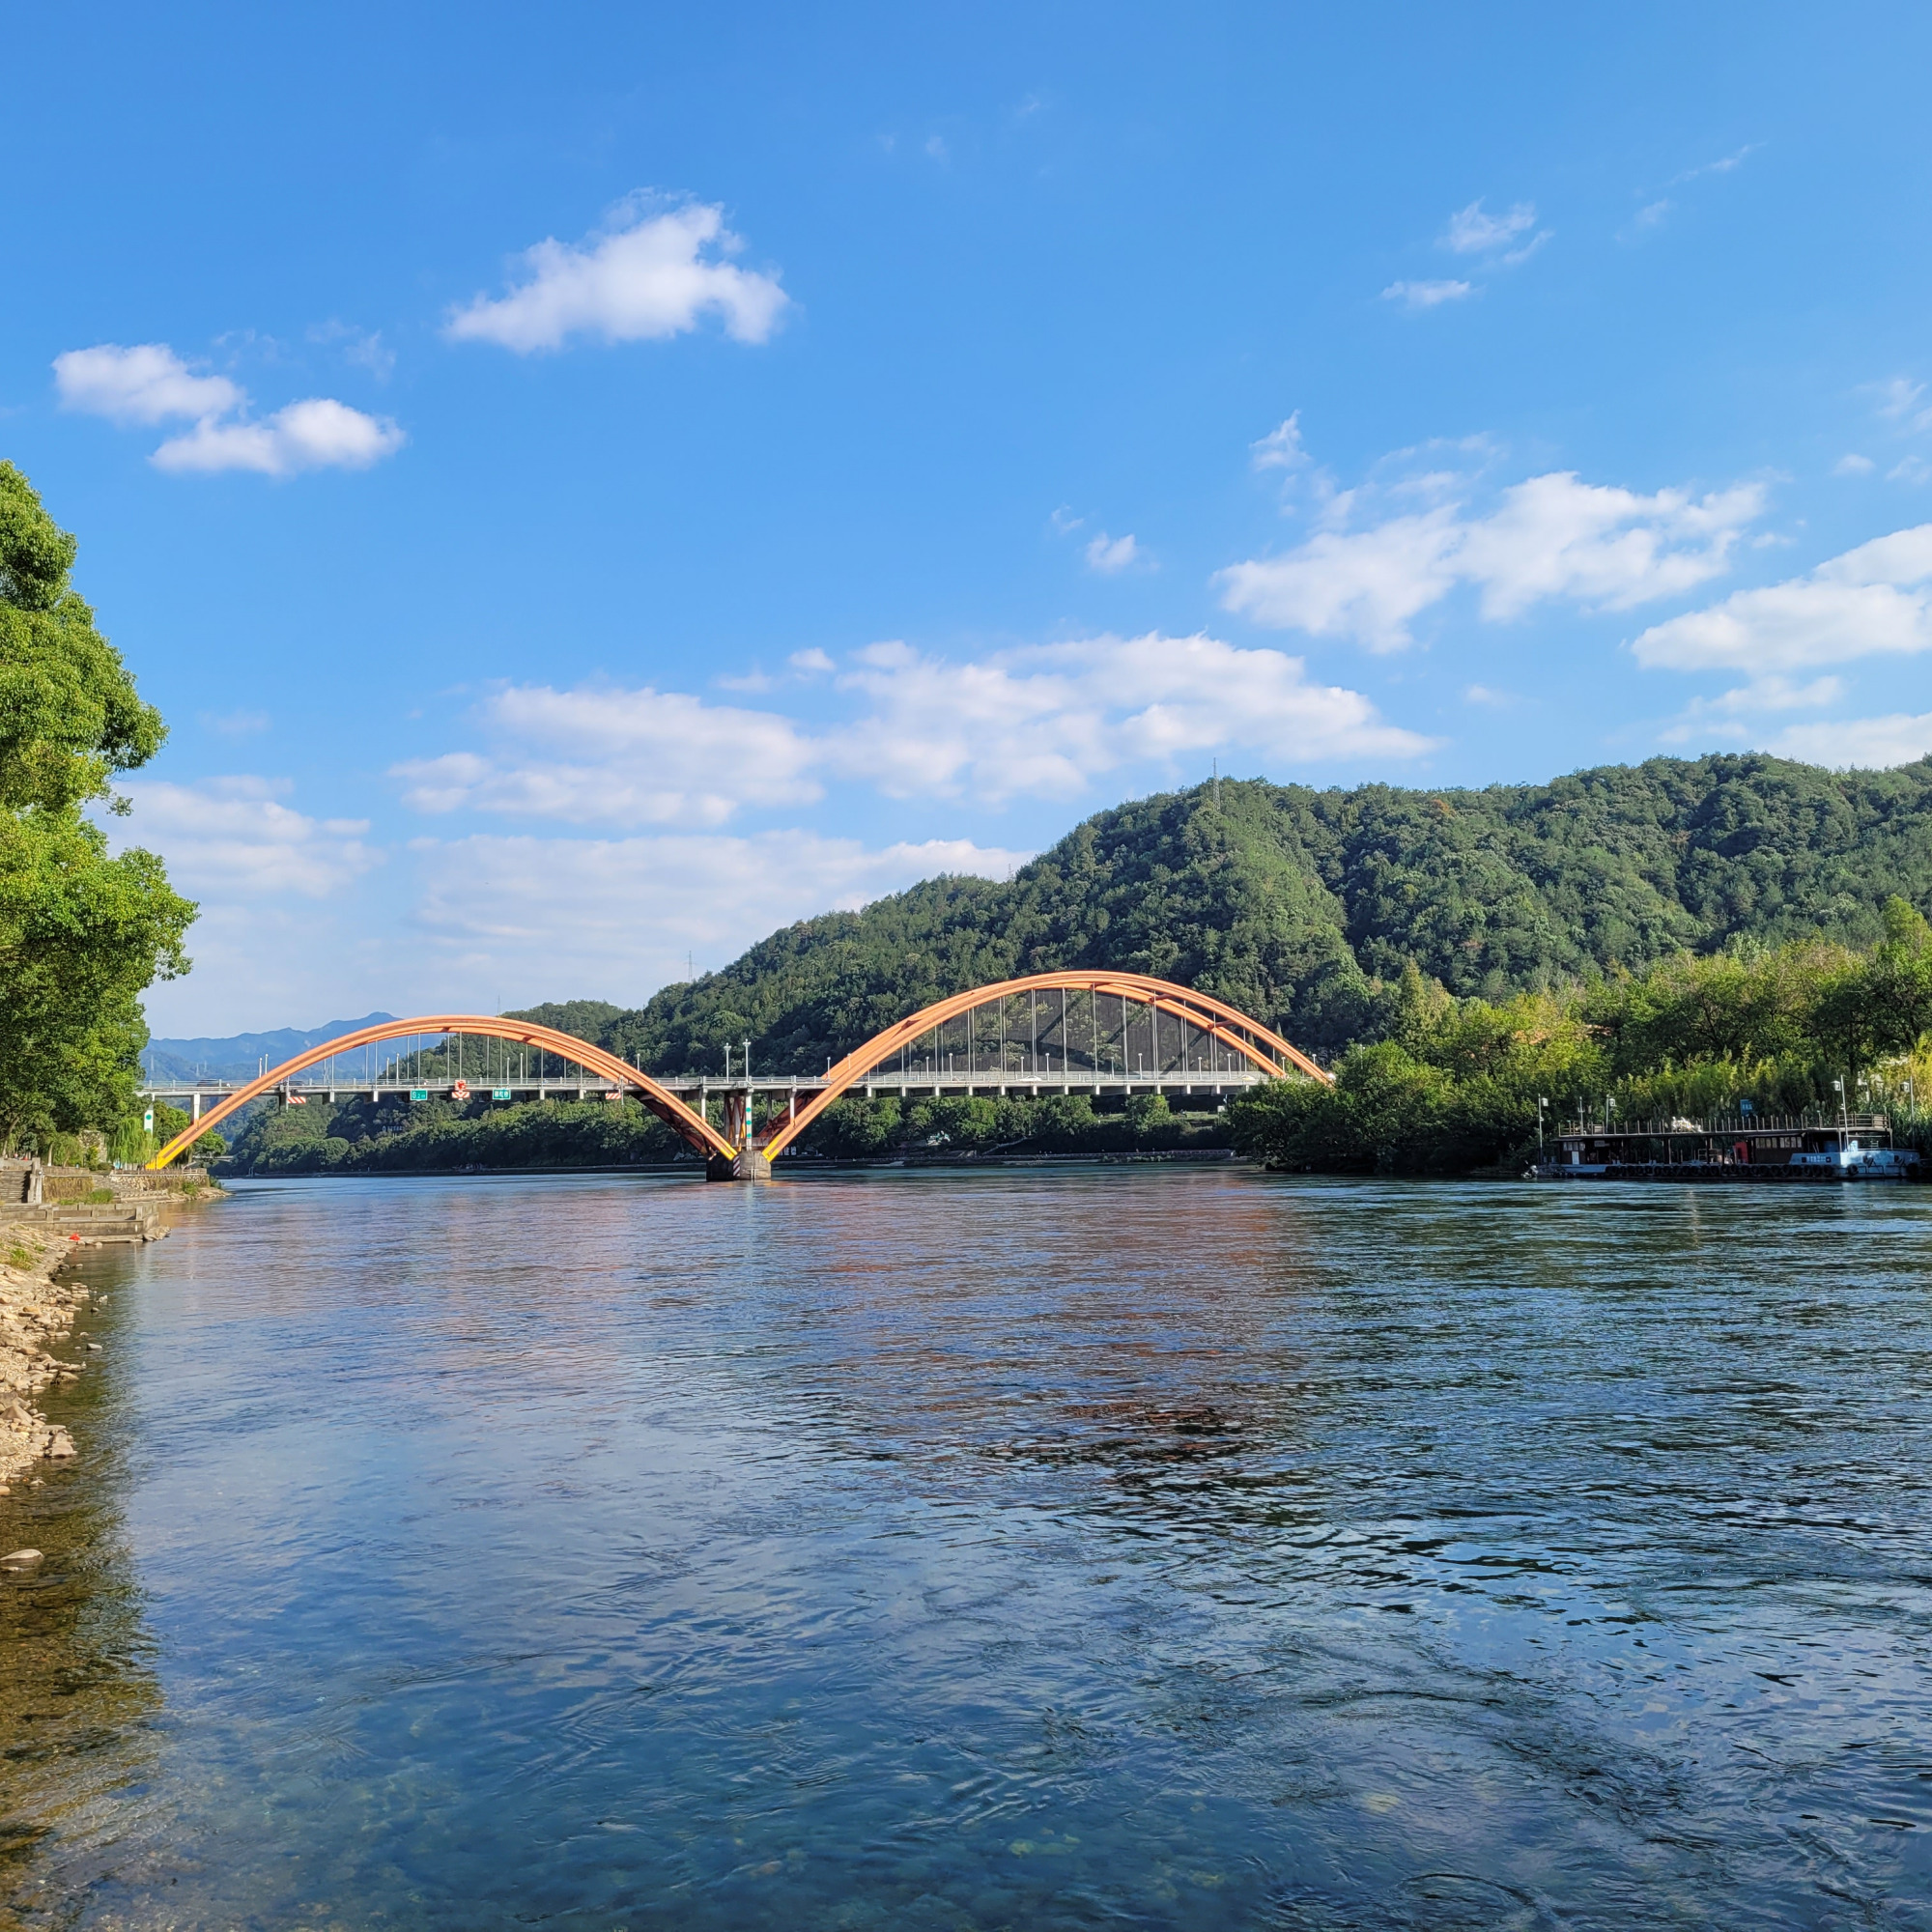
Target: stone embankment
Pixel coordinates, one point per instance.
(36, 1310)
(46, 1214)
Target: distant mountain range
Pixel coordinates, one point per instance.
(242, 1055)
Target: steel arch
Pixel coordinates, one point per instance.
(1228, 1024)
(667, 1107)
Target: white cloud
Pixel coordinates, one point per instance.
(1472, 232)
(1777, 694)
(1652, 214)
(1871, 744)
(1898, 397)
(1427, 294)
(1727, 712)
(146, 383)
(1853, 465)
(1873, 600)
(1366, 584)
(316, 434)
(1555, 537)
(1047, 719)
(1280, 448)
(151, 384)
(1725, 165)
(647, 275)
(233, 835)
(1042, 721)
(1910, 470)
(363, 346)
(1111, 555)
(1552, 536)
(496, 922)
(619, 757)
(615, 918)
(810, 664)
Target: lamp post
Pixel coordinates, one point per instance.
(1541, 1101)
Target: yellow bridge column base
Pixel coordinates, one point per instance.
(747, 1164)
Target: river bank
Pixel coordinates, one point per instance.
(36, 1312)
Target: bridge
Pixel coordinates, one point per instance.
(1048, 1033)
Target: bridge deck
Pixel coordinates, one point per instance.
(693, 1088)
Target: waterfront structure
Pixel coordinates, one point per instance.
(1732, 1148)
(1073, 1032)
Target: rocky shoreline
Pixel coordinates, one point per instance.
(36, 1310)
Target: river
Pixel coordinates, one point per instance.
(1149, 1547)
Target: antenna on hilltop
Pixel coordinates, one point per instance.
(1217, 784)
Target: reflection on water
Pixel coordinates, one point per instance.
(967, 1550)
(77, 1684)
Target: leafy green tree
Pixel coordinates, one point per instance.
(82, 934)
(1881, 1007)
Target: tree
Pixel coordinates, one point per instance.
(82, 934)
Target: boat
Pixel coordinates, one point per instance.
(1742, 1147)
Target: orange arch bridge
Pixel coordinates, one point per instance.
(1231, 1028)
(1213, 1020)
(665, 1105)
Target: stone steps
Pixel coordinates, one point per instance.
(97, 1222)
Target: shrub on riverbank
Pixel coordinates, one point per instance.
(367, 1137)
(1015, 1124)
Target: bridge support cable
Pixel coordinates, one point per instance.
(594, 1059)
(1228, 1025)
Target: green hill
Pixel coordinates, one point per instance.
(1293, 904)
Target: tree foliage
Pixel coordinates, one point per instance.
(82, 934)
(1454, 1083)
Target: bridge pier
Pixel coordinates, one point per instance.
(747, 1164)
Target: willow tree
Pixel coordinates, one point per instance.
(82, 934)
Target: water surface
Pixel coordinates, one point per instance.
(1143, 1548)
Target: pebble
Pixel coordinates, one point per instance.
(19, 1559)
(94, 1348)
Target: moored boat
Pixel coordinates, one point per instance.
(1732, 1148)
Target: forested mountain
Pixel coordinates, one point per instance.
(239, 1056)
(1295, 904)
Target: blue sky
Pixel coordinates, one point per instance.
(590, 486)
